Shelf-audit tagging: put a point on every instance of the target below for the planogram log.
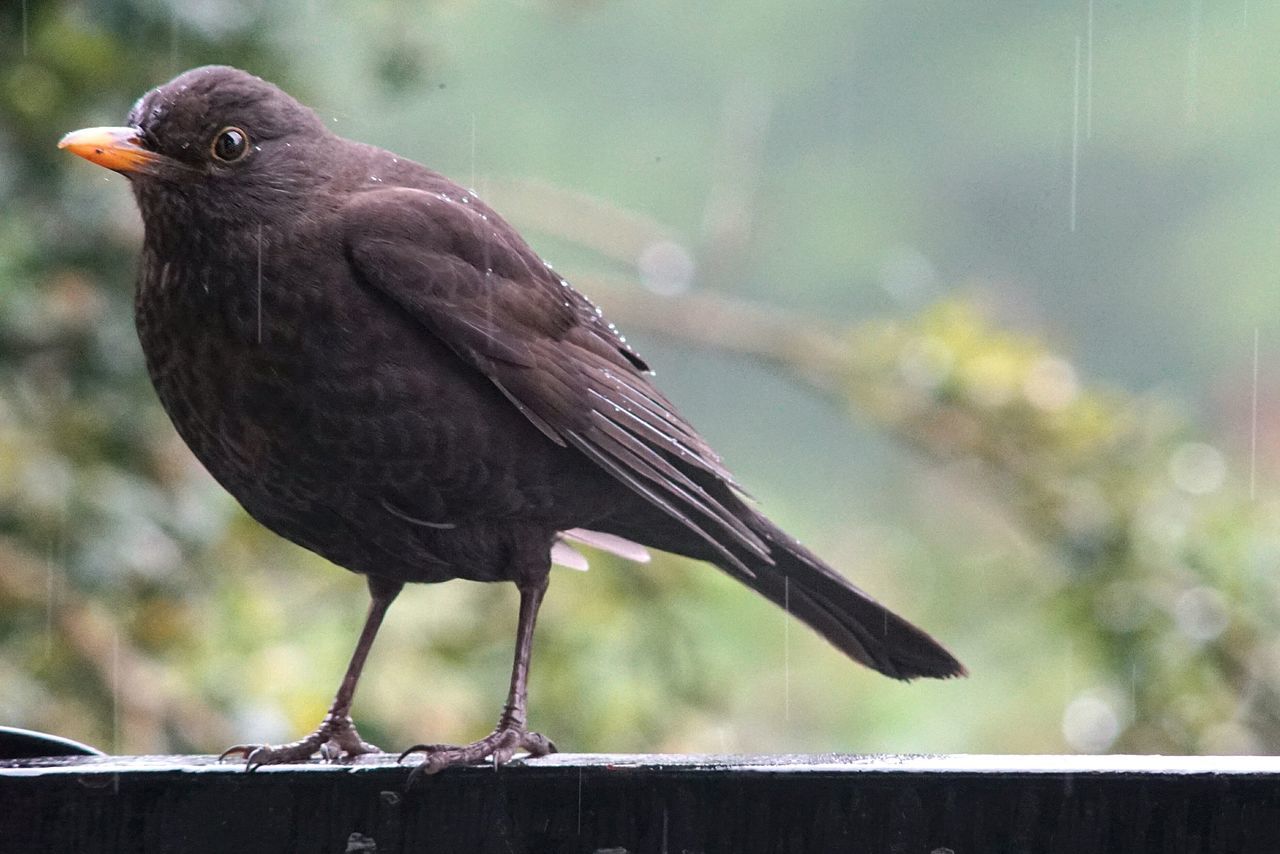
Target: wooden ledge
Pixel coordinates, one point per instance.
(641, 803)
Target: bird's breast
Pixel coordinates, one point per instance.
(217, 359)
(282, 372)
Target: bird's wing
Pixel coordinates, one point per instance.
(469, 279)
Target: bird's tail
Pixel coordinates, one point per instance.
(792, 577)
(852, 621)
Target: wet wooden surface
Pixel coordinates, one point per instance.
(603, 803)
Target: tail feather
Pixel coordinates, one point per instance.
(794, 578)
(848, 618)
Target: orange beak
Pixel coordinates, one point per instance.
(118, 149)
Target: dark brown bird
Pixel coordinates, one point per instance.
(380, 369)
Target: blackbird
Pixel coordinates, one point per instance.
(380, 369)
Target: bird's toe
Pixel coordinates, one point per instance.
(499, 747)
(335, 740)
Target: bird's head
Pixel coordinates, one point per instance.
(214, 142)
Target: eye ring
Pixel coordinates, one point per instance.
(229, 145)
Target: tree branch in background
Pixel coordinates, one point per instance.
(1168, 557)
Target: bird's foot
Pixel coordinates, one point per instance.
(336, 739)
(497, 747)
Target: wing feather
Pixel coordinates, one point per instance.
(469, 279)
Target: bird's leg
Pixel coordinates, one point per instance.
(511, 735)
(336, 737)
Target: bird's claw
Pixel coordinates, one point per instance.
(498, 747)
(336, 739)
(257, 755)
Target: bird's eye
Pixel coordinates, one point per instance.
(230, 145)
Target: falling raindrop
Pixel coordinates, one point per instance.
(115, 690)
(1075, 138)
(786, 647)
(173, 38)
(1193, 61)
(1088, 74)
(259, 283)
(49, 604)
(1253, 431)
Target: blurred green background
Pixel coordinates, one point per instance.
(978, 299)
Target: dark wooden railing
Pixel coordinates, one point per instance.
(617, 803)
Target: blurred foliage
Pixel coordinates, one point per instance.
(1153, 556)
(1094, 555)
(1167, 563)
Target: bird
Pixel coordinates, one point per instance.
(379, 368)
